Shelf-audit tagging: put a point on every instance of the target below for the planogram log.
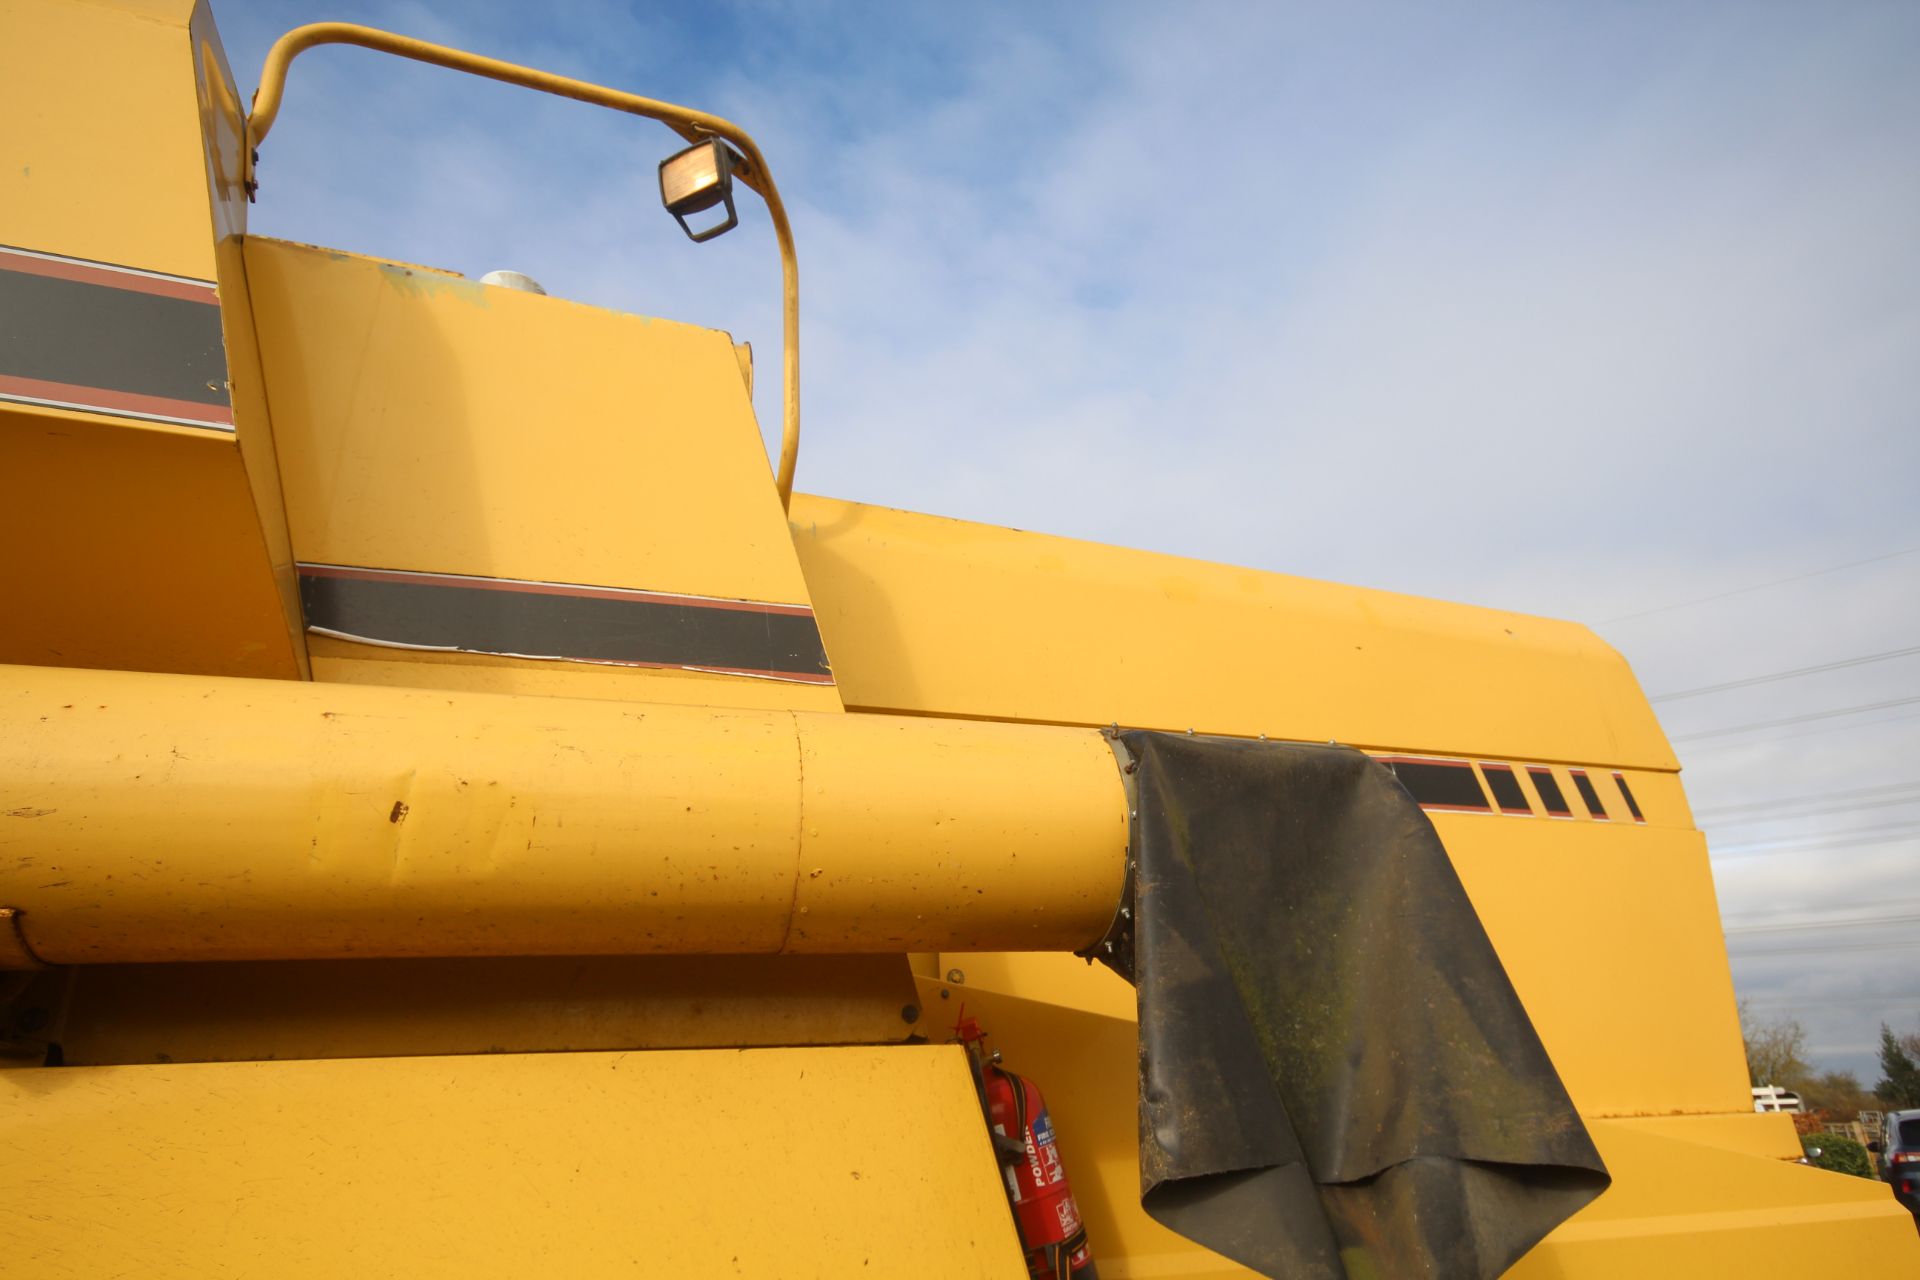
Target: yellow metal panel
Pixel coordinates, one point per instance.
(970, 821)
(124, 543)
(1681, 1209)
(102, 135)
(1662, 799)
(984, 621)
(179, 818)
(132, 546)
(695, 126)
(344, 661)
(1610, 932)
(1087, 1066)
(1038, 975)
(1770, 1134)
(777, 1163)
(1706, 1199)
(223, 129)
(1627, 985)
(429, 423)
(396, 1008)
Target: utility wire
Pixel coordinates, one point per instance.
(1772, 676)
(1695, 752)
(1787, 802)
(1763, 586)
(1778, 1003)
(1811, 715)
(1825, 835)
(1895, 944)
(1856, 922)
(1817, 813)
(1903, 904)
(1738, 853)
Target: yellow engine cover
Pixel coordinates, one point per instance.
(778, 1163)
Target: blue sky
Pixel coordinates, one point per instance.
(1587, 311)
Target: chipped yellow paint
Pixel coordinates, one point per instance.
(187, 818)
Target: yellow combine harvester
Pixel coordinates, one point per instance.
(427, 850)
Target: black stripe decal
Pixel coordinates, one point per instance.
(1588, 795)
(1439, 784)
(1506, 789)
(88, 336)
(1551, 796)
(1448, 784)
(565, 623)
(1626, 793)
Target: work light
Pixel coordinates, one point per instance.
(697, 179)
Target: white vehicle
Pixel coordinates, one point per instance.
(1772, 1097)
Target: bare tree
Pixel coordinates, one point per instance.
(1839, 1093)
(1776, 1050)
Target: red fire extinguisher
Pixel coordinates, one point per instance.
(1044, 1211)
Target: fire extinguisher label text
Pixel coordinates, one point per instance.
(1043, 1153)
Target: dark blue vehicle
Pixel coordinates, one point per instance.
(1899, 1152)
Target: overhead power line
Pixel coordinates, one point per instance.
(1801, 719)
(1741, 855)
(1772, 676)
(1845, 832)
(1777, 1003)
(1762, 917)
(1788, 802)
(1806, 926)
(1696, 752)
(1760, 586)
(1892, 944)
(1895, 802)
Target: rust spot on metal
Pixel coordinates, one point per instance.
(28, 811)
(399, 811)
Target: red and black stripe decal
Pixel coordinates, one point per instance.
(1551, 797)
(1626, 793)
(110, 339)
(1446, 785)
(564, 622)
(1506, 789)
(1588, 795)
(1449, 785)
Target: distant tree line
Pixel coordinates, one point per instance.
(1776, 1055)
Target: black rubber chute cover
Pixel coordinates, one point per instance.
(1336, 1077)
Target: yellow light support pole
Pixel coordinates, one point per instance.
(694, 126)
(164, 817)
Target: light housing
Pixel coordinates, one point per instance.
(697, 179)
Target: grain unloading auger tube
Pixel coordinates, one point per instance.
(1305, 958)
